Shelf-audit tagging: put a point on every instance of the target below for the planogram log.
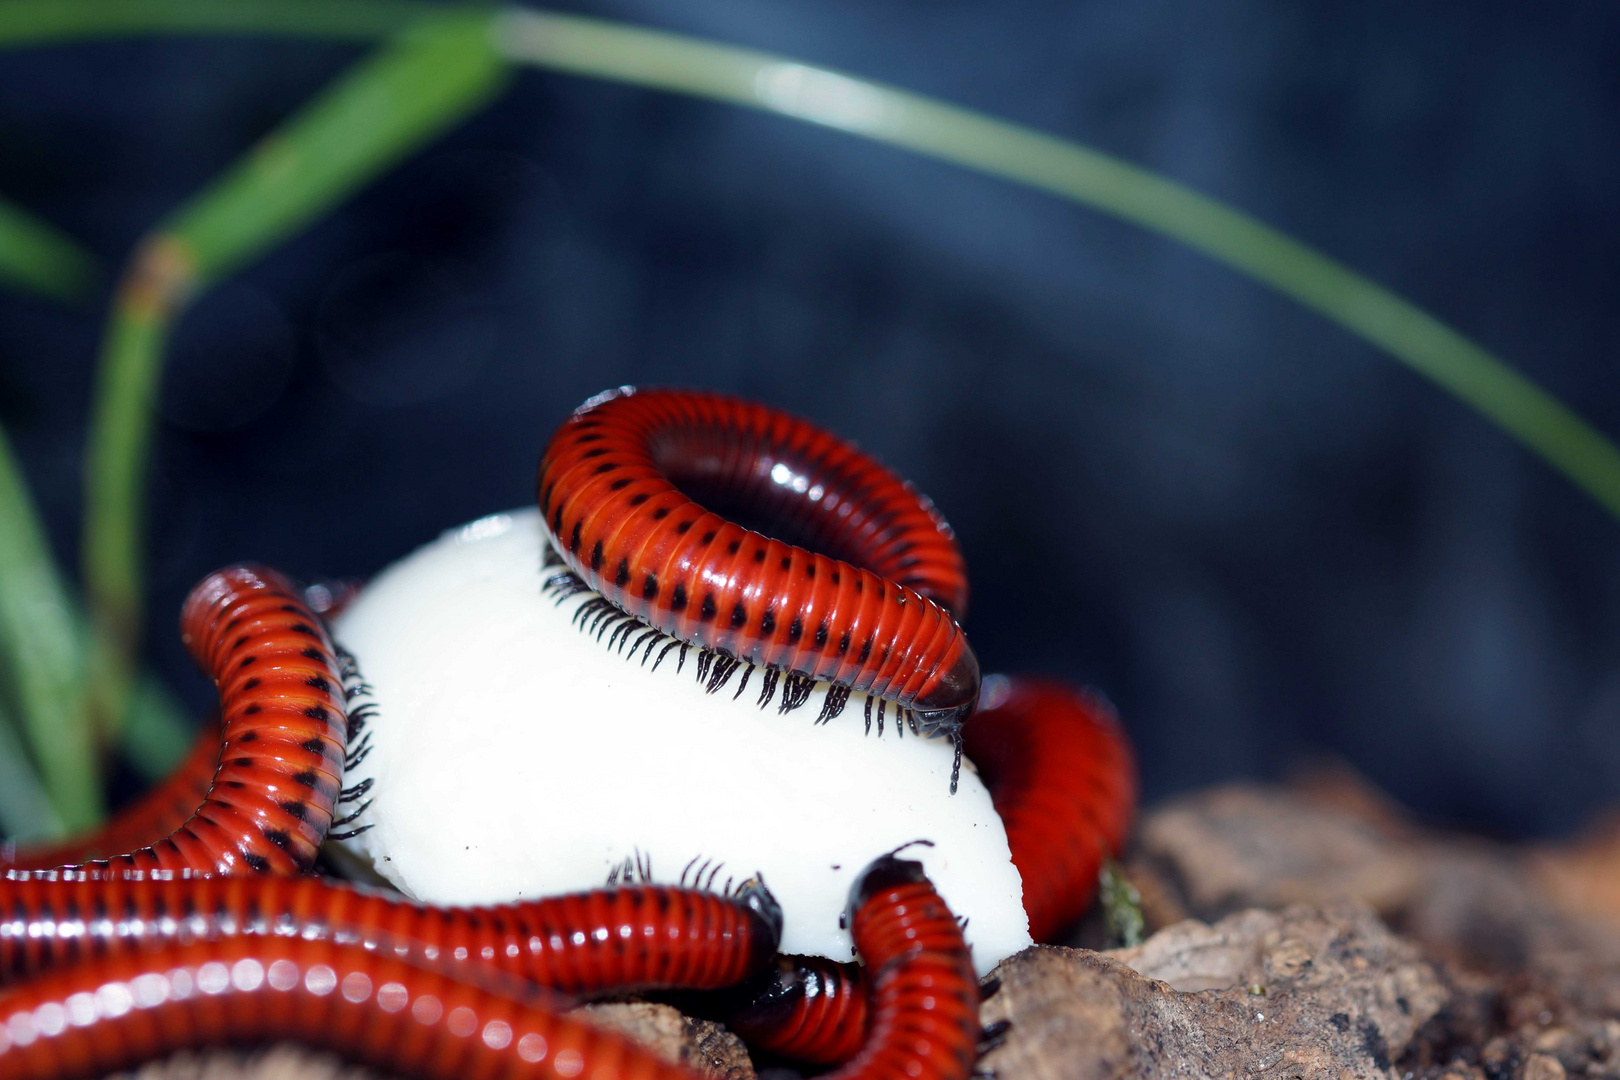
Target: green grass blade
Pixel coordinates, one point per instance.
(430, 76)
(37, 256)
(26, 812)
(886, 114)
(42, 658)
(436, 74)
(46, 22)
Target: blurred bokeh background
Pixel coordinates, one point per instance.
(1260, 537)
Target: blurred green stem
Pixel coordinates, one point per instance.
(431, 75)
(161, 276)
(35, 255)
(44, 22)
(41, 656)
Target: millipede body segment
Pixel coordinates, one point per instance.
(1062, 777)
(616, 940)
(867, 603)
(284, 730)
(116, 1011)
(808, 1008)
(924, 997)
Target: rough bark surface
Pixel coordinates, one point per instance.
(1307, 992)
(1526, 940)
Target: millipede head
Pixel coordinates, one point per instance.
(945, 706)
(753, 895)
(769, 998)
(883, 872)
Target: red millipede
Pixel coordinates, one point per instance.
(924, 997)
(808, 1008)
(874, 616)
(122, 1009)
(1063, 780)
(1061, 776)
(652, 937)
(284, 730)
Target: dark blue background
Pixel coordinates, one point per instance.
(1262, 538)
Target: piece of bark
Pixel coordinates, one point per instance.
(1528, 938)
(1242, 846)
(1318, 993)
(283, 1062)
(1468, 901)
(700, 1045)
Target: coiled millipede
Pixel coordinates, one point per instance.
(207, 933)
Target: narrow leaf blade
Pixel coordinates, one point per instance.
(41, 258)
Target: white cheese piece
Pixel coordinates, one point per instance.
(513, 755)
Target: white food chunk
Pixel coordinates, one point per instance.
(513, 755)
